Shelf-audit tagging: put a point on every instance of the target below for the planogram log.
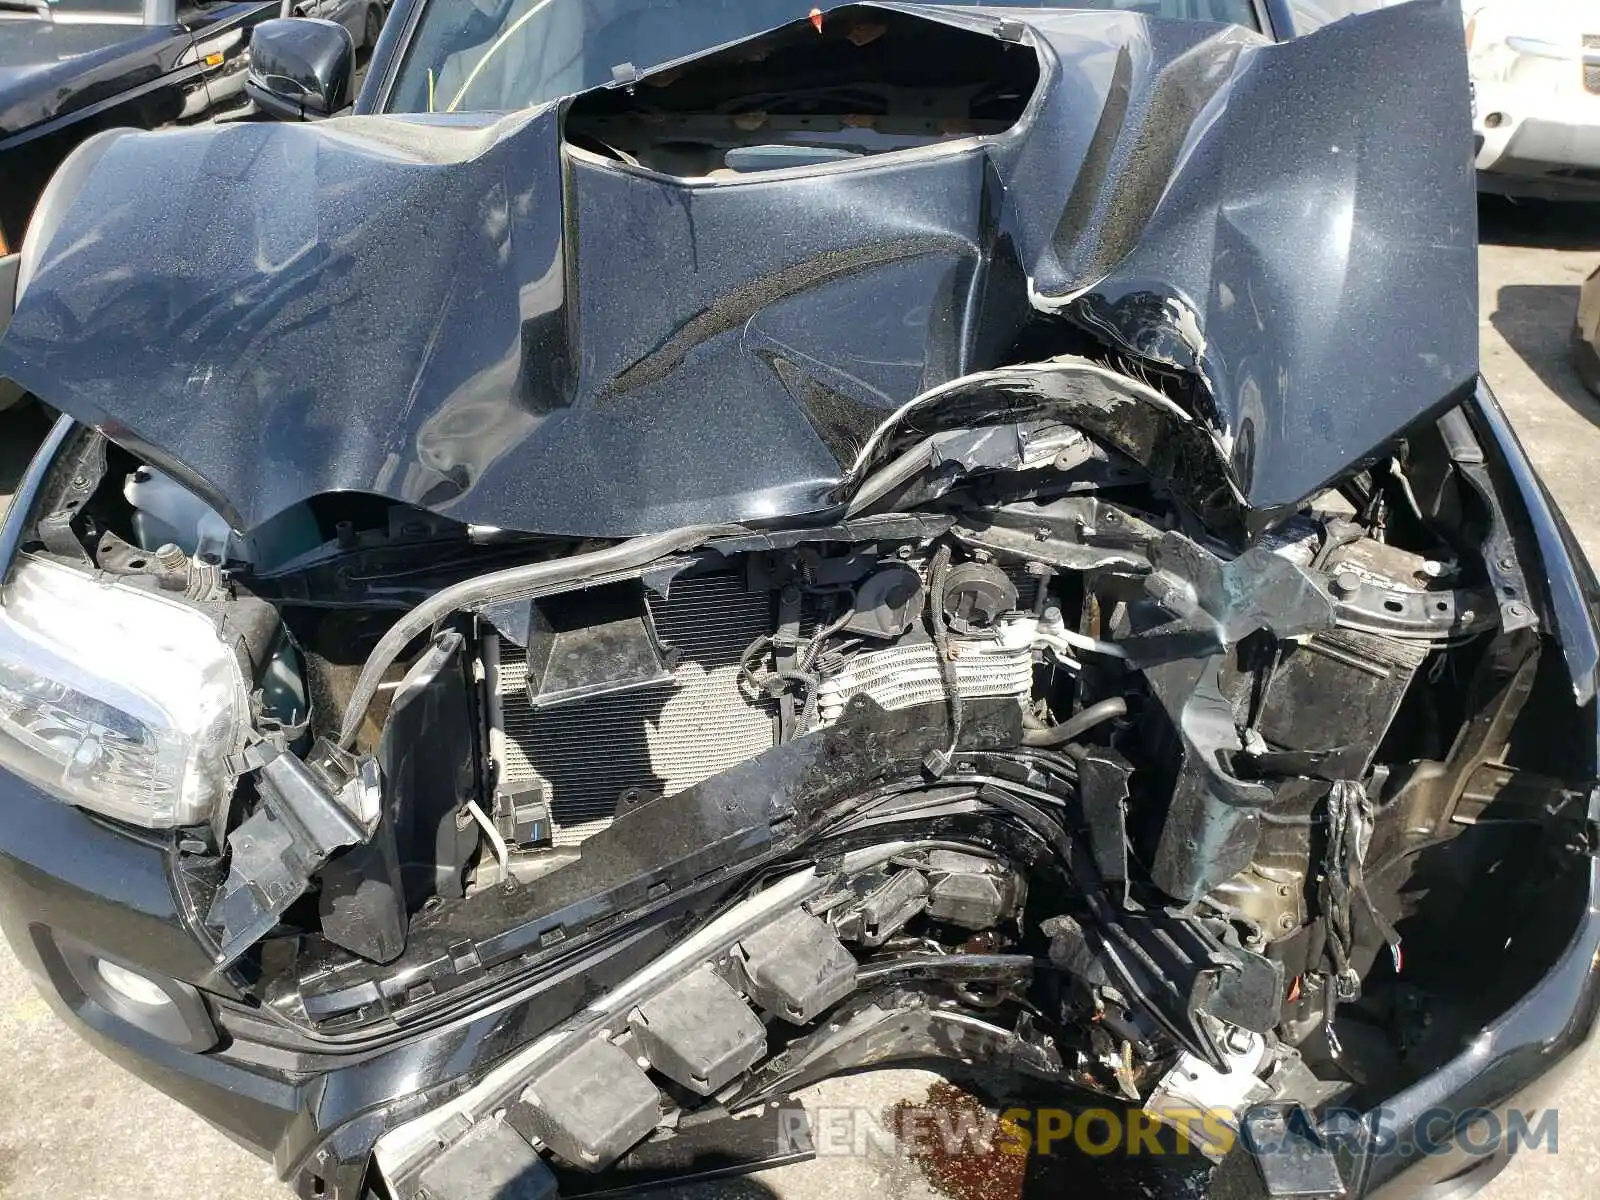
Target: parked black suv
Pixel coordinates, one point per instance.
(70, 68)
(687, 548)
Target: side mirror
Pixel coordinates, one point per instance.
(301, 68)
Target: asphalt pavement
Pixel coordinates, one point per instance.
(75, 1127)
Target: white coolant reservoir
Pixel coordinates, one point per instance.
(164, 512)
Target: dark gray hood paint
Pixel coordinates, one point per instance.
(472, 319)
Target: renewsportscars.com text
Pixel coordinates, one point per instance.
(842, 1131)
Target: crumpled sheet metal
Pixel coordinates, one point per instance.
(471, 317)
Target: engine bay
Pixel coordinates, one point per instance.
(1033, 750)
(879, 535)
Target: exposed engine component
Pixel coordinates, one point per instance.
(975, 595)
(635, 695)
(1055, 780)
(1001, 665)
(886, 603)
(599, 661)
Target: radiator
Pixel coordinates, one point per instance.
(662, 738)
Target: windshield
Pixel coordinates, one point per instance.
(502, 55)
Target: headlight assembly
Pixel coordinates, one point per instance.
(116, 699)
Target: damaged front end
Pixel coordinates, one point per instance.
(1036, 776)
(1129, 691)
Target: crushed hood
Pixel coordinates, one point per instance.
(473, 318)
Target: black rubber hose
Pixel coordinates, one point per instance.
(941, 643)
(813, 686)
(753, 653)
(1078, 724)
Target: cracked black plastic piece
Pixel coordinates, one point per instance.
(681, 846)
(273, 854)
(491, 1160)
(1178, 970)
(594, 642)
(796, 967)
(1103, 776)
(592, 1106)
(699, 1032)
(1213, 820)
(1203, 608)
(428, 758)
(902, 1023)
(1310, 736)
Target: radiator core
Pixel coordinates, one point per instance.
(663, 738)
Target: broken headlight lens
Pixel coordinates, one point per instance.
(114, 699)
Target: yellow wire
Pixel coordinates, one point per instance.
(430, 89)
(495, 48)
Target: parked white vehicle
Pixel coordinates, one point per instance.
(1536, 95)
